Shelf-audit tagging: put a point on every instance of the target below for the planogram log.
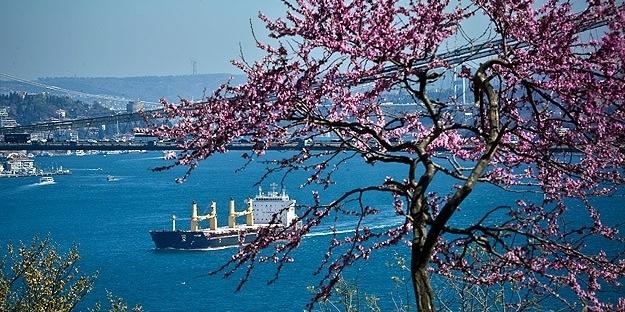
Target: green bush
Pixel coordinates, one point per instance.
(37, 278)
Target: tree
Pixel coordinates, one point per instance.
(36, 277)
(546, 115)
(453, 294)
(117, 304)
(40, 279)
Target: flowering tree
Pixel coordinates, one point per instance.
(546, 115)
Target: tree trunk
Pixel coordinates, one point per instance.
(423, 290)
(419, 258)
(424, 294)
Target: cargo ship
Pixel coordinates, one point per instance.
(271, 209)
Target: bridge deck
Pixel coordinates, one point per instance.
(129, 146)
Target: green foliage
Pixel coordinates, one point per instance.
(348, 298)
(33, 108)
(38, 278)
(455, 295)
(117, 305)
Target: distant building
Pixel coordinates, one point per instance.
(134, 106)
(38, 136)
(73, 136)
(144, 138)
(16, 137)
(5, 121)
(8, 123)
(62, 134)
(61, 113)
(19, 164)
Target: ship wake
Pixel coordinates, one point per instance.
(351, 230)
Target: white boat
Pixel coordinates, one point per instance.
(111, 178)
(169, 155)
(46, 180)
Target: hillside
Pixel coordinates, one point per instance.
(32, 108)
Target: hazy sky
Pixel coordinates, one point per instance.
(118, 38)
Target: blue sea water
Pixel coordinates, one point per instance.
(109, 221)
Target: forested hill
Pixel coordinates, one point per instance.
(147, 88)
(32, 108)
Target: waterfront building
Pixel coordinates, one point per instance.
(18, 164)
(5, 121)
(8, 123)
(38, 136)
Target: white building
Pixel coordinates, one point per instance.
(19, 164)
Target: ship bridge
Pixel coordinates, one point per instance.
(273, 207)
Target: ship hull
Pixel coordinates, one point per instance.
(197, 240)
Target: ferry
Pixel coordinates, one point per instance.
(46, 180)
(272, 209)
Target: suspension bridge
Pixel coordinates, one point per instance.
(472, 52)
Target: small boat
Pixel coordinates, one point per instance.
(46, 180)
(111, 178)
(169, 155)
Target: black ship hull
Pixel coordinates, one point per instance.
(190, 240)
